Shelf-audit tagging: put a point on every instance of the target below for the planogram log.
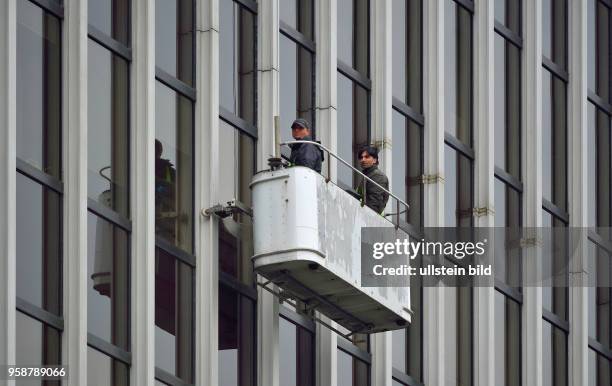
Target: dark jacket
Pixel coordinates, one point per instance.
(376, 198)
(306, 154)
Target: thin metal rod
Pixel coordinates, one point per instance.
(329, 153)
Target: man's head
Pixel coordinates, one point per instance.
(368, 156)
(300, 128)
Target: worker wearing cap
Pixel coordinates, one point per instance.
(304, 154)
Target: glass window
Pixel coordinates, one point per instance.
(236, 339)
(237, 69)
(103, 370)
(352, 125)
(407, 52)
(108, 129)
(296, 355)
(39, 238)
(298, 15)
(173, 167)
(174, 44)
(458, 188)
(38, 344)
(547, 136)
(111, 18)
(508, 13)
(288, 11)
(351, 371)
(174, 316)
(39, 88)
(592, 27)
(554, 355)
(108, 276)
(296, 86)
(507, 343)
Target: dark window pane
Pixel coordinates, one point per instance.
(174, 316)
(39, 88)
(108, 129)
(37, 345)
(507, 341)
(108, 274)
(237, 339)
(407, 40)
(547, 136)
(508, 13)
(600, 370)
(174, 167)
(353, 102)
(458, 188)
(111, 17)
(500, 101)
(352, 371)
(298, 14)
(554, 355)
(174, 38)
(39, 240)
(592, 28)
(103, 370)
(591, 165)
(602, 51)
(237, 69)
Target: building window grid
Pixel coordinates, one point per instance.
(52, 322)
(359, 357)
(303, 325)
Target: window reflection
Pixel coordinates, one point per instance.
(108, 129)
(174, 316)
(174, 43)
(38, 344)
(236, 339)
(103, 370)
(38, 232)
(39, 88)
(174, 167)
(108, 271)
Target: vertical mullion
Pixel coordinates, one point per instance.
(74, 338)
(8, 96)
(207, 181)
(142, 199)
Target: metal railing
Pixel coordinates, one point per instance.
(365, 178)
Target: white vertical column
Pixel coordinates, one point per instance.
(326, 98)
(484, 297)
(532, 193)
(578, 175)
(434, 334)
(382, 103)
(327, 126)
(8, 96)
(74, 338)
(207, 182)
(268, 108)
(143, 199)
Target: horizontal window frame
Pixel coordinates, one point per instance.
(607, 3)
(459, 146)
(50, 6)
(404, 378)
(175, 84)
(555, 320)
(508, 179)
(555, 69)
(109, 349)
(233, 284)
(599, 241)
(41, 315)
(109, 215)
(109, 43)
(508, 291)
(555, 211)
(467, 4)
(408, 112)
(298, 319)
(250, 5)
(176, 252)
(169, 379)
(297, 37)
(39, 176)
(354, 351)
(599, 102)
(600, 348)
(510, 36)
(238, 123)
(354, 75)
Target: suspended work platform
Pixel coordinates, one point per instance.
(307, 241)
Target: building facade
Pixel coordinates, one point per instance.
(121, 121)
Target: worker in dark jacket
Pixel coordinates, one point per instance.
(375, 197)
(304, 154)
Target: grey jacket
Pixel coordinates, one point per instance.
(306, 154)
(375, 197)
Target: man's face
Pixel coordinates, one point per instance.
(366, 160)
(299, 132)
